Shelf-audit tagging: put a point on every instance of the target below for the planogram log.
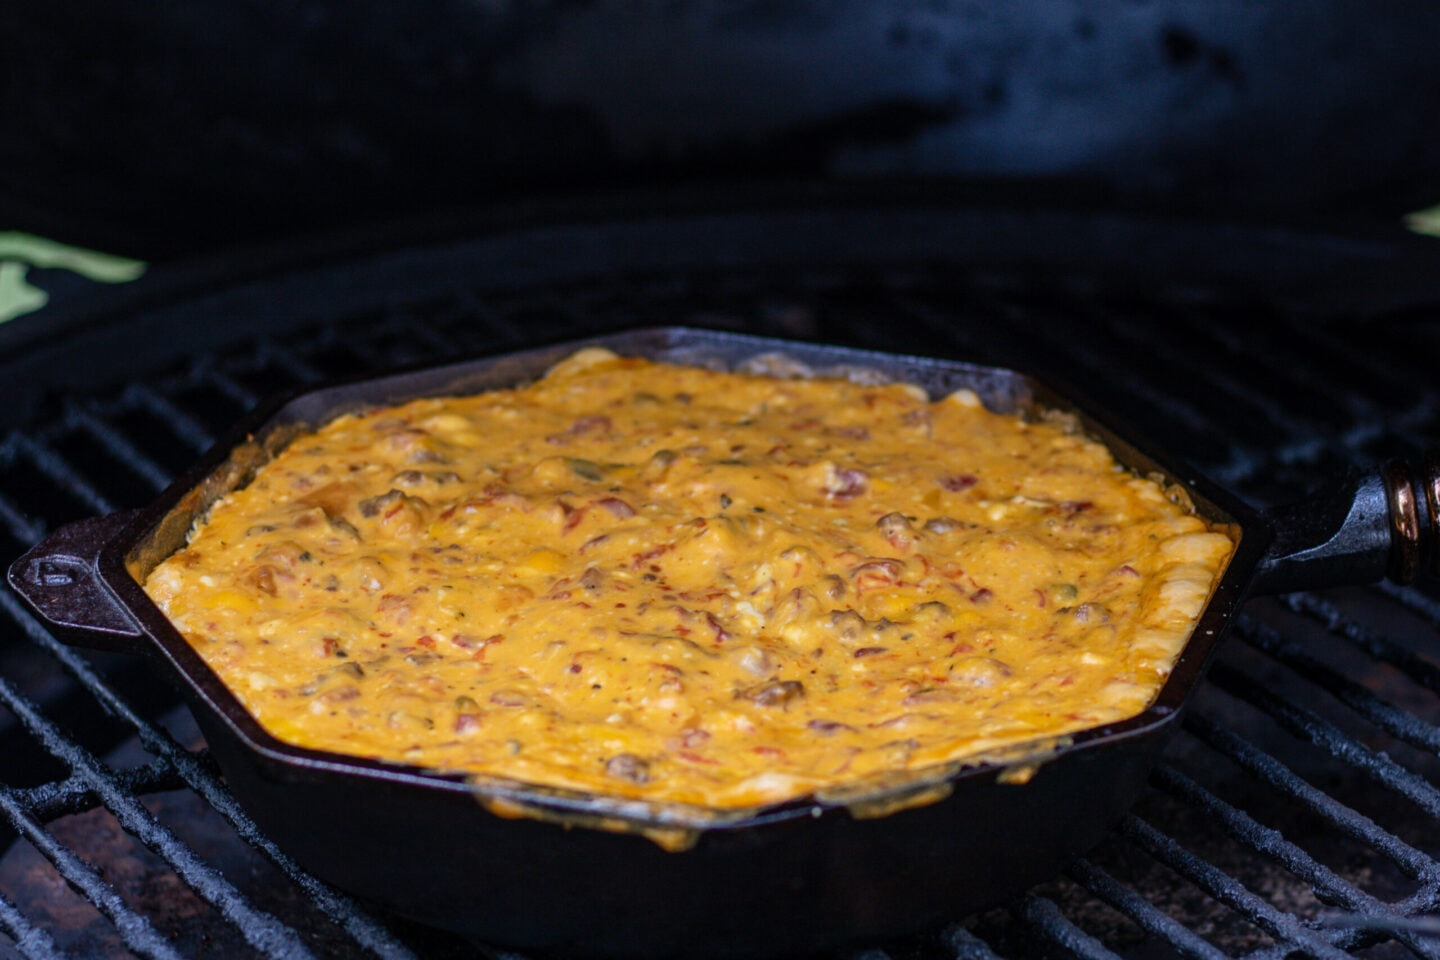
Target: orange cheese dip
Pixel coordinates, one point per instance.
(683, 585)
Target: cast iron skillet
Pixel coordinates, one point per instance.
(561, 871)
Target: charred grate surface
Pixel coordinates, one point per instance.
(1296, 814)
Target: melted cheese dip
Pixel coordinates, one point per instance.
(684, 585)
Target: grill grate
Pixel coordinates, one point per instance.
(1295, 813)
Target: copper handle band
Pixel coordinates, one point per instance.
(1430, 480)
(1404, 523)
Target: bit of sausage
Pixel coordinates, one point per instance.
(263, 579)
(375, 506)
(1088, 612)
(590, 425)
(883, 568)
(941, 525)
(845, 483)
(828, 727)
(658, 465)
(937, 695)
(834, 586)
(959, 481)
(932, 611)
(848, 625)
(896, 528)
(627, 766)
(755, 660)
(776, 694)
(981, 671)
(616, 507)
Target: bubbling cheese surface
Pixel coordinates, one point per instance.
(683, 585)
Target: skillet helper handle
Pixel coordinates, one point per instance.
(60, 580)
(1363, 528)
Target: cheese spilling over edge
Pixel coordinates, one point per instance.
(682, 585)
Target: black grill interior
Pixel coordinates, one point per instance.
(1297, 813)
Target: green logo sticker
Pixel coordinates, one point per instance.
(21, 251)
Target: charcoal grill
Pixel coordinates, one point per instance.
(1296, 813)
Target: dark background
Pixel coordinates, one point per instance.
(159, 129)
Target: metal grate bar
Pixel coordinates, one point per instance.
(1374, 644)
(1201, 366)
(964, 945)
(1227, 890)
(23, 527)
(32, 942)
(436, 343)
(1299, 376)
(1318, 337)
(57, 468)
(338, 908)
(259, 929)
(205, 371)
(1413, 600)
(1308, 725)
(1382, 713)
(52, 800)
(1044, 920)
(186, 427)
(116, 444)
(506, 331)
(1149, 917)
(371, 357)
(1272, 843)
(273, 352)
(134, 929)
(1350, 822)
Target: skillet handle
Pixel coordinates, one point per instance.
(60, 580)
(1362, 528)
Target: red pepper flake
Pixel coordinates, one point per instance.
(959, 481)
(573, 517)
(767, 751)
(1128, 570)
(616, 507)
(870, 651)
(583, 426)
(692, 757)
(828, 727)
(640, 559)
(721, 634)
(467, 722)
(982, 595)
(427, 641)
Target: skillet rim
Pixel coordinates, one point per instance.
(282, 761)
